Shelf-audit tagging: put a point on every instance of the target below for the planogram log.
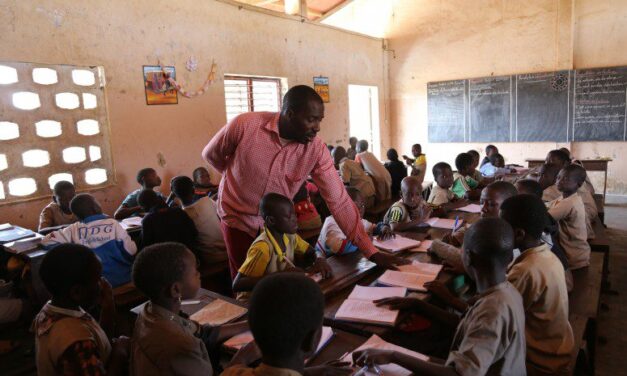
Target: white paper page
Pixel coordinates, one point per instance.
(131, 222)
(365, 311)
(375, 342)
(418, 267)
(396, 244)
(242, 339)
(443, 223)
(218, 312)
(375, 293)
(471, 208)
(411, 281)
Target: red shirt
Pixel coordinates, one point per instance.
(249, 153)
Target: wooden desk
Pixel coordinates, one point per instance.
(342, 342)
(205, 297)
(588, 164)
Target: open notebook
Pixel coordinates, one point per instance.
(412, 276)
(218, 312)
(131, 222)
(443, 223)
(359, 306)
(375, 342)
(396, 244)
(471, 208)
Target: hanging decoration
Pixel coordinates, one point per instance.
(192, 94)
(191, 64)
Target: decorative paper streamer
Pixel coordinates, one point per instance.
(192, 94)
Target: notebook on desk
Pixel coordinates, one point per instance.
(12, 233)
(131, 222)
(396, 244)
(218, 312)
(360, 307)
(444, 223)
(412, 276)
(471, 208)
(375, 342)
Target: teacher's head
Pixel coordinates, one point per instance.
(301, 114)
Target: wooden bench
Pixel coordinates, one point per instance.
(376, 213)
(601, 244)
(600, 202)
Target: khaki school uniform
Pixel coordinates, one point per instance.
(440, 196)
(210, 242)
(53, 215)
(539, 277)
(261, 370)
(380, 175)
(167, 344)
(490, 338)
(551, 193)
(355, 176)
(591, 210)
(570, 215)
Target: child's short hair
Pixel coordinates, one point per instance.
(526, 212)
(198, 171)
(531, 186)
(284, 308)
(505, 189)
(141, 174)
(362, 145)
(491, 239)
(62, 186)
(158, 266)
(560, 155)
(416, 146)
(474, 153)
(83, 205)
(439, 168)
(392, 155)
(270, 201)
(182, 186)
(67, 265)
(490, 147)
(148, 199)
(495, 158)
(463, 161)
(577, 172)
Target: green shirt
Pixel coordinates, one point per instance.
(463, 184)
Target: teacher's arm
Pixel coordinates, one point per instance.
(221, 148)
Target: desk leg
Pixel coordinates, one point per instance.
(605, 185)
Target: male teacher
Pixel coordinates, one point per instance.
(263, 152)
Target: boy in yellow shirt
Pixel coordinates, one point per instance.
(278, 248)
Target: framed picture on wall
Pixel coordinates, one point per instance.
(321, 86)
(157, 87)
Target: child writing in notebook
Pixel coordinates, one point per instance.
(68, 341)
(495, 167)
(464, 185)
(569, 212)
(411, 211)
(278, 248)
(148, 179)
(165, 341)
(58, 213)
(490, 336)
(332, 240)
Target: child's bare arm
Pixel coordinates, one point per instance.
(125, 212)
(244, 283)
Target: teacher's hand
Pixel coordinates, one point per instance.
(387, 261)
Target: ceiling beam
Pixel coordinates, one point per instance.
(334, 10)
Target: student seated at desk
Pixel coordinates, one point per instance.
(164, 224)
(68, 341)
(209, 245)
(547, 176)
(202, 184)
(307, 216)
(397, 170)
(58, 213)
(332, 240)
(103, 235)
(490, 336)
(464, 185)
(285, 315)
(278, 248)
(373, 166)
(495, 167)
(476, 174)
(352, 174)
(418, 163)
(562, 159)
(441, 195)
(411, 211)
(165, 341)
(489, 150)
(569, 212)
(148, 179)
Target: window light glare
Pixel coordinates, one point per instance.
(83, 77)
(8, 130)
(2, 196)
(22, 186)
(45, 76)
(64, 176)
(89, 101)
(95, 176)
(25, 100)
(3, 162)
(48, 128)
(88, 127)
(74, 154)
(94, 153)
(35, 158)
(68, 101)
(8, 75)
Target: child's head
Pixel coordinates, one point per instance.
(353, 142)
(338, 154)
(166, 272)
(148, 178)
(527, 215)
(529, 187)
(392, 155)
(202, 177)
(358, 199)
(416, 150)
(548, 175)
(497, 160)
(71, 273)
(85, 205)
(463, 163)
(475, 158)
(491, 149)
(566, 151)
(570, 179)
(411, 191)
(183, 188)
(493, 196)
(278, 213)
(488, 246)
(362, 146)
(558, 157)
(62, 193)
(149, 199)
(285, 316)
(443, 175)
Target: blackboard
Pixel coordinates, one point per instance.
(560, 106)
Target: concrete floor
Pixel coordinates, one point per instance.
(612, 345)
